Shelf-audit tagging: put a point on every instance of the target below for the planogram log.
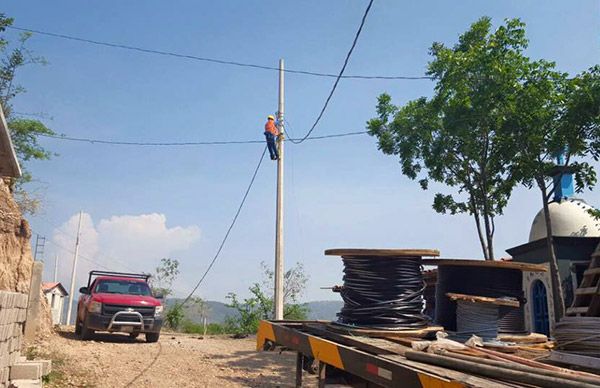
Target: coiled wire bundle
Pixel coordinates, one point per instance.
(476, 318)
(482, 281)
(383, 293)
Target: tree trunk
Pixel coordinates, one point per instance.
(559, 301)
(479, 231)
(489, 237)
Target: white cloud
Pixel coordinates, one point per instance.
(119, 243)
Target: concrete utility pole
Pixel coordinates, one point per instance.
(72, 289)
(55, 268)
(279, 274)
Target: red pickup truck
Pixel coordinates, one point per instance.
(118, 302)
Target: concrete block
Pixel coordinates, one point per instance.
(34, 301)
(46, 365)
(26, 370)
(26, 383)
(23, 301)
(3, 299)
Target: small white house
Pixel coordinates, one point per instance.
(55, 294)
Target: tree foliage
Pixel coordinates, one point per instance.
(557, 122)
(456, 137)
(161, 282)
(24, 132)
(260, 305)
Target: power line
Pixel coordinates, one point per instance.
(237, 213)
(339, 76)
(188, 143)
(206, 59)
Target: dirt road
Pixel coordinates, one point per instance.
(175, 361)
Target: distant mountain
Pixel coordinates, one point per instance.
(218, 311)
(324, 309)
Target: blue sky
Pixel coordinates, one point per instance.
(145, 203)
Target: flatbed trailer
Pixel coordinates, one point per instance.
(358, 361)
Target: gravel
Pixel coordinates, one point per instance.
(177, 360)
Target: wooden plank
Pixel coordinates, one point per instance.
(352, 252)
(370, 345)
(577, 310)
(532, 338)
(416, 333)
(487, 263)
(592, 271)
(586, 291)
(575, 359)
(483, 299)
(449, 374)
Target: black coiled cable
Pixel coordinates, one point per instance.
(383, 293)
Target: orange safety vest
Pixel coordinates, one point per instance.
(270, 127)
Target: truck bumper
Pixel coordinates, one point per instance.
(102, 322)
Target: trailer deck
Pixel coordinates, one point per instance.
(359, 361)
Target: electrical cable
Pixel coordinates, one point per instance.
(476, 319)
(382, 293)
(480, 281)
(183, 144)
(233, 221)
(341, 73)
(206, 59)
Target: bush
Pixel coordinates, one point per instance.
(174, 316)
(191, 327)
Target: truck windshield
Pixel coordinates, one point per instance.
(122, 287)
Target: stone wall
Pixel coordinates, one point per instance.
(16, 261)
(13, 311)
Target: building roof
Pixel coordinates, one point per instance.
(9, 165)
(570, 218)
(47, 287)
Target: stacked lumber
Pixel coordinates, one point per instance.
(506, 368)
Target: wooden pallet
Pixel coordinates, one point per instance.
(587, 295)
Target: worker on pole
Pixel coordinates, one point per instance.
(271, 133)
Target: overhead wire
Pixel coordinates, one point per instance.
(207, 59)
(231, 225)
(184, 143)
(339, 76)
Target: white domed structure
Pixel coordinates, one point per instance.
(570, 218)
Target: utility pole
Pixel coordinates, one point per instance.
(279, 274)
(72, 290)
(55, 268)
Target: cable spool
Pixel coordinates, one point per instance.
(476, 318)
(384, 293)
(488, 281)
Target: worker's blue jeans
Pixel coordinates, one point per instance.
(271, 145)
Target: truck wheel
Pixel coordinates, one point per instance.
(77, 327)
(85, 332)
(152, 337)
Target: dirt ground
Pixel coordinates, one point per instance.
(177, 360)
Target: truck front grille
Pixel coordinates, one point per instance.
(111, 309)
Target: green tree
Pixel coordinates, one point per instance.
(24, 132)
(161, 283)
(456, 137)
(557, 117)
(164, 276)
(260, 305)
